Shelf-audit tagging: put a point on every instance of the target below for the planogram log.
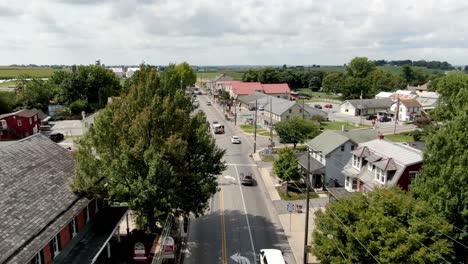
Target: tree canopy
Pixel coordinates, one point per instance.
(296, 130)
(444, 178)
(391, 225)
(148, 150)
(286, 167)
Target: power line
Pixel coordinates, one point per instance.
(336, 245)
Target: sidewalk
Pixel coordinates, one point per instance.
(293, 224)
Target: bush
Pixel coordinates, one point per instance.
(319, 118)
(422, 121)
(78, 106)
(417, 135)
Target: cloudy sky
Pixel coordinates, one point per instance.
(221, 32)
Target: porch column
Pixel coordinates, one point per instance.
(128, 227)
(108, 250)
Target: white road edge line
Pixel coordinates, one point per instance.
(246, 217)
(246, 165)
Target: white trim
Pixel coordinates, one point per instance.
(56, 246)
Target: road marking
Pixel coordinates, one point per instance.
(248, 165)
(240, 259)
(223, 225)
(246, 217)
(230, 178)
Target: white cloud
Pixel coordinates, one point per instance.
(231, 32)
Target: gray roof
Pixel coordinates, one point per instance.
(370, 103)
(315, 166)
(35, 196)
(278, 105)
(329, 140)
(249, 99)
(314, 111)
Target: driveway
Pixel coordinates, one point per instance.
(67, 127)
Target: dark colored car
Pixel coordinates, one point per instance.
(318, 106)
(247, 179)
(56, 137)
(371, 117)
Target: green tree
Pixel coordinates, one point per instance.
(186, 74)
(454, 91)
(359, 67)
(352, 87)
(286, 167)
(296, 130)
(250, 76)
(392, 225)
(333, 82)
(315, 83)
(407, 74)
(34, 93)
(7, 102)
(158, 158)
(381, 80)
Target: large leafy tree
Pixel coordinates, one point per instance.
(444, 179)
(286, 167)
(147, 149)
(381, 80)
(34, 93)
(333, 82)
(360, 67)
(296, 130)
(392, 226)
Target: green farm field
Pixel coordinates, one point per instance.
(7, 72)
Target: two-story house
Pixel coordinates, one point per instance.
(409, 109)
(333, 149)
(41, 219)
(382, 163)
(19, 124)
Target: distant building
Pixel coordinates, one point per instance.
(366, 106)
(118, 71)
(130, 71)
(279, 90)
(410, 109)
(428, 100)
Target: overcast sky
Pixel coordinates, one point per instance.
(234, 32)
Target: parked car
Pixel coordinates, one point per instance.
(235, 140)
(249, 120)
(247, 179)
(57, 137)
(251, 108)
(139, 252)
(371, 117)
(318, 106)
(384, 119)
(271, 256)
(328, 106)
(261, 108)
(208, 103)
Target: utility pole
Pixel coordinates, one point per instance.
(271, 122)
(306, 233)
(397, 113)
(255, 128)
(362, 108)
(235, 111)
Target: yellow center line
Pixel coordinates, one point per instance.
(223, 226)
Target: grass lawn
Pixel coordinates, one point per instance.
(7, 84)
(337, 125)
(250, 129)
(402, 137)
(290, 196)
(7, 72)
(267, 158)
(319, 94)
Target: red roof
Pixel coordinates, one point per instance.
(245, 88)
(276, 88)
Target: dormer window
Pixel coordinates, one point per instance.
(357, 162)
(380, 175)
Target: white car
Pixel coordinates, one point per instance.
(208, 103)
(271, 256)
(235, 140)
(261, 108)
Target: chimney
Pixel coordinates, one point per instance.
(380, 136)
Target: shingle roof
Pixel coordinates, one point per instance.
(35, 196)
(276, 88)
(23, 113)
(249, 99)
(370, 103)
(410, 103)
(329, 140)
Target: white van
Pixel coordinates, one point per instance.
(271, 256)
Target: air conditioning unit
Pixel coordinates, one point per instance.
(3, 125)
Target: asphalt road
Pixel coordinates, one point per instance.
(241, 219)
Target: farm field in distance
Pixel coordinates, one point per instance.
(8, 72)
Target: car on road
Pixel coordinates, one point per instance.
(57, 137)
(328, 106)
(384, 119)
(261, 108)
(247, 179)
(371, 117)
(235, 140)
(318, 106)
(271, 256)
(208, 103)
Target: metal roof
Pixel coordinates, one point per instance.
(369, 103)
(400, 153)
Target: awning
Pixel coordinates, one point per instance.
(386, 164)
(90, 242)
(315, 166)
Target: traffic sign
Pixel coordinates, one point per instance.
(290, 207)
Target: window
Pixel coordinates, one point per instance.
(19, 123)
(356, 162)
(55, 246)
(346, 110)
(290, 111)
(342, 147)
(355, 184)
(412, 176)
(352, 147)
(74, 226)
(380, 175)
(287, 117)
(300, 110)
(35, 118)
(38, 258)
(347, 181)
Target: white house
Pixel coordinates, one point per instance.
(118, 71)
(131, 71)
(367, 106)
(410, 109)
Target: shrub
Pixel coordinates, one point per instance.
(319, 118)
(78, 106)
(422, 121)
(417, 135)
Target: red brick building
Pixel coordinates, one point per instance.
(19, 124)
(42, 220)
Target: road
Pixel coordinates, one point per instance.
(241, 219)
